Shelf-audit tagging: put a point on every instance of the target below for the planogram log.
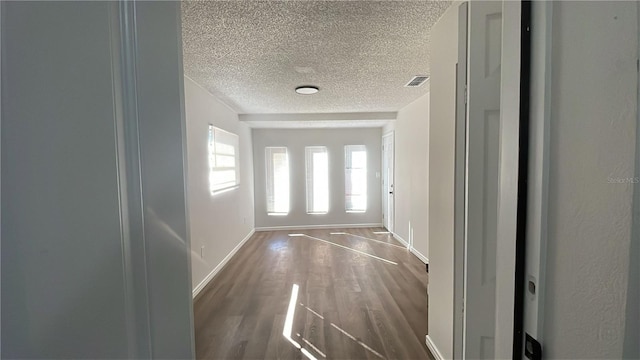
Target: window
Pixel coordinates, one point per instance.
(355, 171)
(224, 172)
(277, 179)
(317, 164)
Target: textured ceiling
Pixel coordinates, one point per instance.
(252, 54)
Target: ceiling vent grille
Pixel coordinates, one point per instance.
(417, 81)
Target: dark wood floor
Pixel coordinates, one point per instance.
(349, 305)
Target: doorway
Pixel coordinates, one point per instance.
(387, 180)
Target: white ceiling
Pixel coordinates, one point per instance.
(252, 54)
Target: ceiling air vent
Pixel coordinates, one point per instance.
(417, 81)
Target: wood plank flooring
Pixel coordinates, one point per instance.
(359, 297)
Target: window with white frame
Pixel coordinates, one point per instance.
(277, 180)
(355, 171)
(317, 168)
(224, 170)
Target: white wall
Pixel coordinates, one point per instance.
(161, 136)
(86, 273)
(53, 249)
(335, 140)
(444, 42)
(592, 148)
(217, 222)
(412, 174)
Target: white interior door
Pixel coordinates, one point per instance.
(507, 341)
(387, 181)
(483, 146)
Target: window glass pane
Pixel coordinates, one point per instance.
(317, 166)
(223, 159)
(277, 179)
(224, 149)
(355, 178)
(359, 160)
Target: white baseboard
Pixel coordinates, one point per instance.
(419, 255)
(222, 263)
(311, 227)
(402, 241)
(413, 250)
(434, 350)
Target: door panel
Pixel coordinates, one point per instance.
(490, 201)
(483, 146)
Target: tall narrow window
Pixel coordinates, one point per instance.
(317, 164)
(224, 172)
(277, 179)
(355, 171)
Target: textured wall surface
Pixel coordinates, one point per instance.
(592, 154)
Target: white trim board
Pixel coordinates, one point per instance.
(419, 255)
(411, 249)
(222, 263)
(312, 227)
(402, 241)
(432, 347)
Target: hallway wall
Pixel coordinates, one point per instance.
(220, 222)
(442, 119)
(411, 186)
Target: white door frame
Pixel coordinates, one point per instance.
(538, 192)
(388, 211)
(459, 186)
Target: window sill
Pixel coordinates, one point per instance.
(356, 211)
(277, 214)
(218, 192)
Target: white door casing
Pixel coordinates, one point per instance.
(460, 182)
